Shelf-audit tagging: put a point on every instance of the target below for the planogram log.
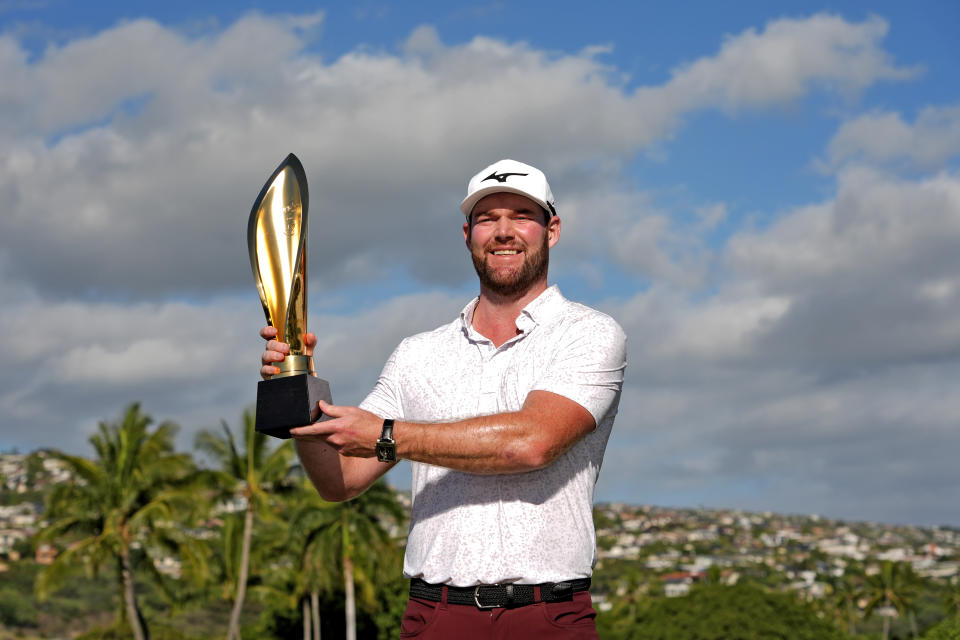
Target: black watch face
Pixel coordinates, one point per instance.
(386, 452)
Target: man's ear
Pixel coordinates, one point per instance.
(466, 233)
(553, 231)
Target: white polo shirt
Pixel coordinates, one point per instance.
(533, 527)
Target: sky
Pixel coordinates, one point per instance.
(766, 196)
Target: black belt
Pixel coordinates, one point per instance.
(490, 596)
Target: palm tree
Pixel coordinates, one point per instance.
(843, 600)
(951, 597)
(251, 474)
(891, 591)
(913, 587)
(123, 509)
(278, 562)
(635, 588)
(298, 573)
(315, 574)
(356, 537)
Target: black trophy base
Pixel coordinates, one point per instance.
(285, 403)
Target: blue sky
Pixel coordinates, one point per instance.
(766, 196)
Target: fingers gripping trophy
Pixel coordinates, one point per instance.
(277, 241)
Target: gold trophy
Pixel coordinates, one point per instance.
(277, 241)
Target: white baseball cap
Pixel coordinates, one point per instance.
(512, 177)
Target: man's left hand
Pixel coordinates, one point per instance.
(352, 431)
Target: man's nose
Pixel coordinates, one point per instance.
(504, 228)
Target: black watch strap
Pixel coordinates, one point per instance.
(387, 433)
(386, 446)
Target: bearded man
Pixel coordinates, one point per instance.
(504, 415)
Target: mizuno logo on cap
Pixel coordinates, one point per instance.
(501, 177)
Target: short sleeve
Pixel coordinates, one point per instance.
(588, 365)
(384, 399)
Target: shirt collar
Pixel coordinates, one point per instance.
(536, 312)
(543, 306)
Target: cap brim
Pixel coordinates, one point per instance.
(470, 201)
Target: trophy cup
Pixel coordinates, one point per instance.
(277, 241)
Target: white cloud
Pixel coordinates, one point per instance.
(827, 348)
(784, 62)
(133, 154)
(723, 328)
(73, 363)
(827, 335)
(884, 138)
(878, 229)
(866, 279)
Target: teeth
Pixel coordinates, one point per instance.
(505, 252)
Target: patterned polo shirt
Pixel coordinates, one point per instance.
(468, 529)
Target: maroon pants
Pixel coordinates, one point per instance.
(573, 620)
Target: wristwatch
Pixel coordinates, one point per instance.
(386, 445)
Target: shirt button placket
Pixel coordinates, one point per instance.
(489, 381)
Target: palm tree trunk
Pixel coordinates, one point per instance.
(913, 625)
(850, 619)
(233, 633)
(305, 612)
(886, 627)
(351, 608)
(130, 596)
(315, 608)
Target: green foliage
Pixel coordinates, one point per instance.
(16, 608)
(841, 600)
(259, 473)
(352, 536)
(393, 592)
(302, 551)
(126, 509)
(603, 521)
(716, 612)
(714, 573)
(138, 490)
(951, 597)
(949, 629)
(112, 632)
(79, 604)
(9, 497)
(24, 547)
(895, 585)
(34, 467)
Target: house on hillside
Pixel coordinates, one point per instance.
(678, 583)
(46, 554)
(9, 538)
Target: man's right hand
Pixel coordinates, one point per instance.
(336, 477)
(276, 351)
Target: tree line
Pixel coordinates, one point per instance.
(139, 506)
(857, 606)
(246, 535)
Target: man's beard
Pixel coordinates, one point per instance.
(513, 283)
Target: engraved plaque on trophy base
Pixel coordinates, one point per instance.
(288, 402)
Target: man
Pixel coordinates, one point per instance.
(504, 414)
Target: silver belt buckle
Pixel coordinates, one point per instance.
(476, 596)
